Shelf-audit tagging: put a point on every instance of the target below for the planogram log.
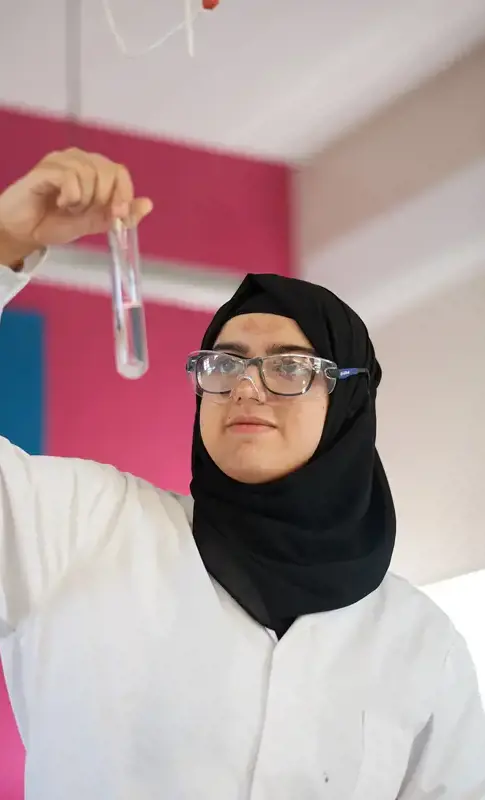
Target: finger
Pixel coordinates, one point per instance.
(94, 172)
(52, 179)
(140, 208)
(106, 177)
(87, 175)
(75, 181)
(105, 185)
(123, 193)
(70, 193)
(86, 179)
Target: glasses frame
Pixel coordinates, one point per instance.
(320, 366)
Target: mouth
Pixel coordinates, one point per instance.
(252, 425)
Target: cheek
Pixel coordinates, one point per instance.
(210, 421)
(304, 425)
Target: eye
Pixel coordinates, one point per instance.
(225, 364)
(291, 366)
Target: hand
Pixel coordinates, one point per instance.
(68, 195)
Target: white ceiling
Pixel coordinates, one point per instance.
(278, 78)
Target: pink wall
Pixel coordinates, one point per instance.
(11, 751)
(211, 209)
(141, 426)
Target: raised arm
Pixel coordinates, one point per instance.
(53, 510)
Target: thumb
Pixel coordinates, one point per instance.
(140, 208)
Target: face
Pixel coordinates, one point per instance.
(255, 436)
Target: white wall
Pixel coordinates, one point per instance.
(431, 413)
(414, 144)
(463, 599)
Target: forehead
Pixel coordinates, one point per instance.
(253, 329)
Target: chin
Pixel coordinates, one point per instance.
(253, 473)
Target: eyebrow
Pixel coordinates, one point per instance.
(238, 348)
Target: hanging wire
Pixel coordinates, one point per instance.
(189, 27)
(131, 351)
(188, 22)
(73, 68)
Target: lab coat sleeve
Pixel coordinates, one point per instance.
(11, 282)
(448, 762)
(52, 511)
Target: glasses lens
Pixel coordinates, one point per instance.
(218, 372)
(288, 374)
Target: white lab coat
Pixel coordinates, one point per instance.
(134, 676)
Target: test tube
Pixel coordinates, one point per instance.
(131, 351)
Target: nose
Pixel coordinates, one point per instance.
(248, 387)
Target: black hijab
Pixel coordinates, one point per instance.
(320, 538)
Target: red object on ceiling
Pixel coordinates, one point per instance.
(211, 209)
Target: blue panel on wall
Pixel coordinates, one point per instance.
(22, 379)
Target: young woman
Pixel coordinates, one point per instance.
(247, 643)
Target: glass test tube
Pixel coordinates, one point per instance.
(131, 349)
